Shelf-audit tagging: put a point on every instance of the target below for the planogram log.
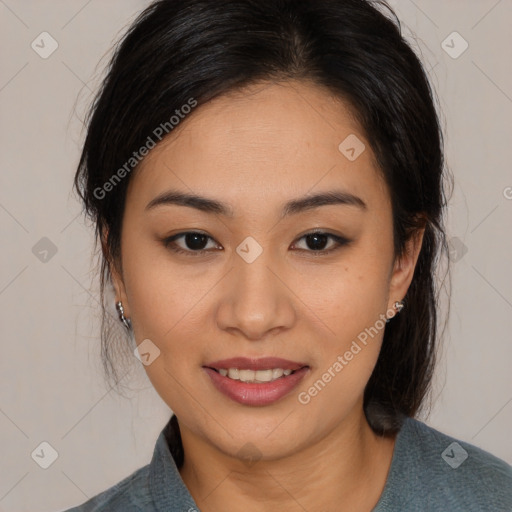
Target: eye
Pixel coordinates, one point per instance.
(193, 239)
(196, 242)
(318, 239)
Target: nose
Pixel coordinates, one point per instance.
(256, 298)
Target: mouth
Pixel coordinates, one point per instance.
(252, 376)
(256, 382)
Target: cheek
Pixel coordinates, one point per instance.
(347, 353)
(168, 309)
(350, 297)
(352, 303)
(160, 293)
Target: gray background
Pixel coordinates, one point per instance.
(51, 382)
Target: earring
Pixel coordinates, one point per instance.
(398, 305)
(126, 321)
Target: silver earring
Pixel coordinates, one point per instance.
(126, 321)
(398, 305)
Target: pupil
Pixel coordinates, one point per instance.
(314, 237)
(191, 240)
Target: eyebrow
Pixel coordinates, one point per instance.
(212, 206)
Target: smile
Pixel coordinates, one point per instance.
(255, 382)
(254, 376)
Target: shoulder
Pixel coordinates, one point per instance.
(449, 474)
(129, 495)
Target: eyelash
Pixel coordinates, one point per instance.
(169, 243)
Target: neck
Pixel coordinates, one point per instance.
(345, 470)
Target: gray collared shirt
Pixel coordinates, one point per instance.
(430, 471)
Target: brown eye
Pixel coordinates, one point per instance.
(194, 242)
(316, 241)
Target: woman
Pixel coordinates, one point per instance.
(266, 179)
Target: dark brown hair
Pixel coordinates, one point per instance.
(182, 49)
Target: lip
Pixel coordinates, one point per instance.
(262, 363)
(252, 393)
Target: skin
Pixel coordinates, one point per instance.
(255, 149)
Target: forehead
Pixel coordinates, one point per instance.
(268, 140)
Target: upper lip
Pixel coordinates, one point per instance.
(263, 363)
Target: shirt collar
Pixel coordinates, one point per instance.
(167, 488)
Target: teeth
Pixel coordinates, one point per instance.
(277, 372)
(233, 374)
(254, 376)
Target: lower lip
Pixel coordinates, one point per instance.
(250, 393)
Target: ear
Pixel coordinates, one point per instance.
(404, 266)
(115, 273)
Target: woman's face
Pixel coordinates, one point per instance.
(262, 288)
